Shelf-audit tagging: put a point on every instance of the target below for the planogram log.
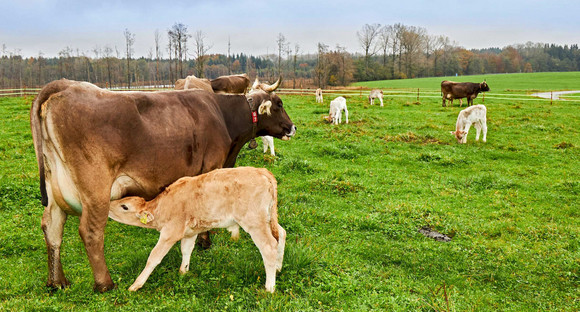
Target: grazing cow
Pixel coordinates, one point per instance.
(376, 94)
(233, 84)
(223, 198)
(319, 96)
(93, 146)
(336, 107)
(457, 90)
(475, 115)
(192, 82)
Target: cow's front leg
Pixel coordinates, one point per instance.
(53, 227)
(92, 231)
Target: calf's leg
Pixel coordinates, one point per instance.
(268, 246)
(187, 245)
(484, 128)
(166, 241)
(281, 246)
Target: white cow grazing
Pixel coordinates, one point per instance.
(376, 94)
(223, 198)
(475, 115)
(319, 95)
(268, 141)
(336, 107)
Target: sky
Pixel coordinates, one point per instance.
(30, 27)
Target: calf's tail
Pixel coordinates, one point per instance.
(273, 190)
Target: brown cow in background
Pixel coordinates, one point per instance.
(236, 84)
(457, 90)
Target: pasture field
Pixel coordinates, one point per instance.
(352, 198)
(498, 83)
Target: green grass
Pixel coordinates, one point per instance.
(498, 83)
(352, 198)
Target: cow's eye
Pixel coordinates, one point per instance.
(124, 207)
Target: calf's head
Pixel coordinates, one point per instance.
(459, 134)
(131, 211)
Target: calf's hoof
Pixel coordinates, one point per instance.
(104, 287)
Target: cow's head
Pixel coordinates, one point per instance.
(459, 135)
(272, 118)
(131, 210)
(483, 86)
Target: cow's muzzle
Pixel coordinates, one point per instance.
(290, 134)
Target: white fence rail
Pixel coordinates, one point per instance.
(349, 92)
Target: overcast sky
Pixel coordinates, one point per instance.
(31, 26)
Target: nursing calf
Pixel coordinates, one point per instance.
(475, 115)
(223, 198)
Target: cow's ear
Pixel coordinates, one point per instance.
(145, 217)
(265, 108)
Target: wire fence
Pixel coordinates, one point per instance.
(347, 92)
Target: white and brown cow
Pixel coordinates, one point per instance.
(319, 96)
(474, 115)
(376, 94)
(223, 198)
(93, 146)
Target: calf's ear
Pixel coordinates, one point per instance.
(145, 217)
(265, 108)
(452, 132)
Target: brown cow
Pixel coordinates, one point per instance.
(223, 198)
(192, 82)
(236, 84)
(457, 90)
(93, 145)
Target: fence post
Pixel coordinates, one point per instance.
(417, 95)
(361, 91)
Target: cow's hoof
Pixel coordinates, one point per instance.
(56, 285)
(104, 287)
(252, 144)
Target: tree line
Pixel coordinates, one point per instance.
(394, 51)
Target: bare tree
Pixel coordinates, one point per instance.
(179, 35)
(366, 38)
(129, 41)
(321, 65)
(281, 42)
(201, 49)
(412, 43)
(108, 53)
(296, 50)
(157, 56)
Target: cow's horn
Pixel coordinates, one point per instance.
(256, 83)
(274, 86)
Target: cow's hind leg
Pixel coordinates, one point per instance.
(92, 231)
(53, 227)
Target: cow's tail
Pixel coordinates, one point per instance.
(273, 190)
(36, 127)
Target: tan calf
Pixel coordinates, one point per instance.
(223, 198)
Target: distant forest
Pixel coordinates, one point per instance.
(388, 52)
